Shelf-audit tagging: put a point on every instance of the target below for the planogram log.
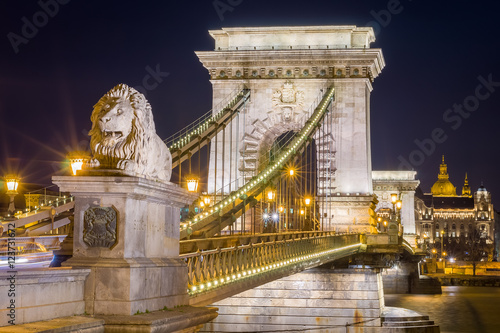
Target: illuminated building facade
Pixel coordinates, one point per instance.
(443, 213)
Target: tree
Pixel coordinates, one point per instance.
(475, 248)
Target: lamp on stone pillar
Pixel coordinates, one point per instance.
(12, 182)
(77, 160)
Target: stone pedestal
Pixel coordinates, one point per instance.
(127, 232)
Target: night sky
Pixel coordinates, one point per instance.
(440, 56)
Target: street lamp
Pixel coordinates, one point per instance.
(307, 200)
(442, 242)
(192, 183)
(77, 159)
(394, 198)
(271, 194)
(12, 182)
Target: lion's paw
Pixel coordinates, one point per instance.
(126, 165)
(93, 163)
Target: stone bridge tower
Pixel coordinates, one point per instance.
(287, 68)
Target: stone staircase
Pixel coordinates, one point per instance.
(404, 320)
(426, 285)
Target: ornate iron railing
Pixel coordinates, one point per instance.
(215, 268)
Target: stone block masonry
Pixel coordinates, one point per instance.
(317, 298)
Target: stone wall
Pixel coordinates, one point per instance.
(312, 299)
(41, 294)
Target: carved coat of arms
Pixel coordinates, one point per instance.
(99, 227)
(288, 102)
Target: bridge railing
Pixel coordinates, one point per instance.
(222, 266)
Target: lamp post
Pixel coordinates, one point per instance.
(425, 243)
(394, 230)
(12, 182)
(442, 242)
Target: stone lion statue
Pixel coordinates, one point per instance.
(123, 136)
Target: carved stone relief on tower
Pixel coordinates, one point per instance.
(287, 104)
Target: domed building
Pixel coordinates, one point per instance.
(444, 214)
(443, 187)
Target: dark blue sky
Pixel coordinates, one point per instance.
(435, 51)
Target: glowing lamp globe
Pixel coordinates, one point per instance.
(192, 183)
(76, 165)
(12, 182)
(271, 194)
(394, 198)
(399, 204)
(307, 201)
(77, 160)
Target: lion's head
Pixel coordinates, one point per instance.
(121, 121)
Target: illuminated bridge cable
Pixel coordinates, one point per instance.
(198, 134)
(225, 212)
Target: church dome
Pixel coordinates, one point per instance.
(443, 186)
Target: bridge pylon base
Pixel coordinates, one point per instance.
(321, 298)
